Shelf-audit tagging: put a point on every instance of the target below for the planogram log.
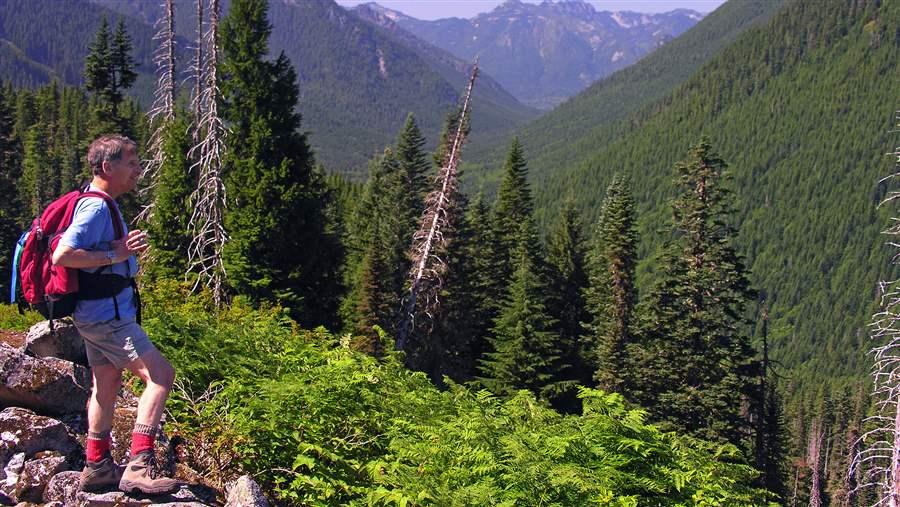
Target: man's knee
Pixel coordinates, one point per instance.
(107, 382)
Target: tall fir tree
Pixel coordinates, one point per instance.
(414, 167)
(693, 367)
(168, 226)
(514, 202)
(34, 188)
(611, 295)
(525, 352)
(10, 172)
(568, 280)
(276, 199)
(108, 72)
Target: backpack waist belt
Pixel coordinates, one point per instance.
(95, 286)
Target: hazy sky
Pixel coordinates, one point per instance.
(435, 9)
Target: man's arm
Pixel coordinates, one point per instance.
(69, 257)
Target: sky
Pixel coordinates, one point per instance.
(436, 9)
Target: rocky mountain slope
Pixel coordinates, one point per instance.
(544, 53)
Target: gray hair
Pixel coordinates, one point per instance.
(107, 147)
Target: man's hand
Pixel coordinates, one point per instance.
(134, 243)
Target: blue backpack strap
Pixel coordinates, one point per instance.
(17, 255)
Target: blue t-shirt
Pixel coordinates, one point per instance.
(92, 229)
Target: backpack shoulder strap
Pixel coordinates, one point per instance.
(113, 211)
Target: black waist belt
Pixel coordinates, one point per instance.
(96, 286)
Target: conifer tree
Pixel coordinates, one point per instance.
(514, 202)
(525, 353)
(168, 226)
(568, 280)
(36, 166)
(414, 166)
(108, 72)
(379, 229)
(10, 172)
(694, 367)
(611, 296)
(271, 178)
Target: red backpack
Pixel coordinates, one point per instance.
(53, 290)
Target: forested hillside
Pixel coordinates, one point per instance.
(568, 131)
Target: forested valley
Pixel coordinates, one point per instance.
(668, 305)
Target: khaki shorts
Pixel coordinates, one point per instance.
(115, 342)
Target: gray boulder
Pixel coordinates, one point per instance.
(63, 488)
(245, 492)
(11, 473)
(46, 385)
(186, 496)
(64, 343)
(23, 431)
(36, 476)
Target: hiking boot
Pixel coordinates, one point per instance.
(100, 475)
(141, 475)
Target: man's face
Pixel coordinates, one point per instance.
(123, 174)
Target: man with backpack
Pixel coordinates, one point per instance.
(106, 315)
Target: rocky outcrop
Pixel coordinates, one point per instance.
(245, 492)
(186, 496)
(62, 489)
(36, 475)
(21, 430)
(63, 343)
(47, 385)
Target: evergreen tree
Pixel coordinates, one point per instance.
(97, 75)
(611, 296)
(281, 248)
(108, 72)
(514, 203)
(167, 227)
(525, 353)
(36, 165)
(694, 367)
(414, 166)
(10, 172)
(566, 259)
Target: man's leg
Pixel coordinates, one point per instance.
(102, 405)
(159, 376)
(100, 471)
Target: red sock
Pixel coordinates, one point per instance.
(96, 448)
(141, 442)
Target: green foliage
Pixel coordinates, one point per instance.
(168, 225)
(12, 320)
(514, 202)
(321, 424)
(611, 294)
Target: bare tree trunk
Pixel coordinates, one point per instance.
(208, 200)
(813, 460)
(428, 268)
(162, 112)
(877, 462)
(197, 74)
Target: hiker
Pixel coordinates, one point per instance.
(109, 323)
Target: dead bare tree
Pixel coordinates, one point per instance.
(196, 73)
(162, 112)
(207, 222)
(428, 267)
(813, 461)
(877, 463)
